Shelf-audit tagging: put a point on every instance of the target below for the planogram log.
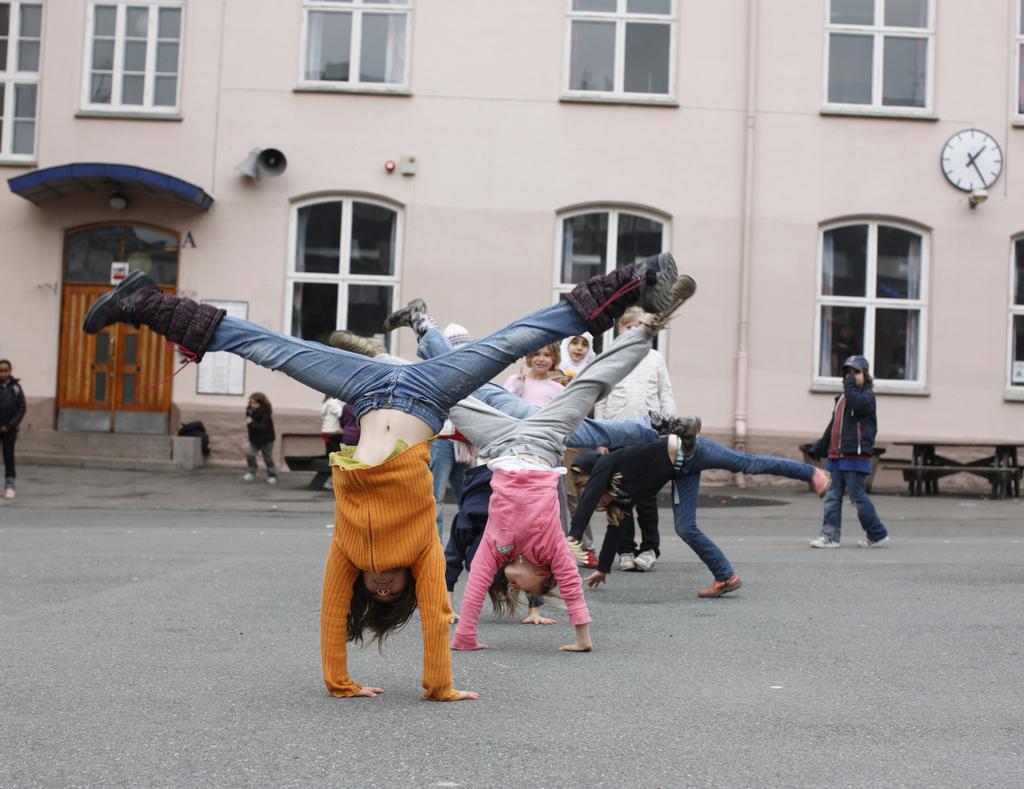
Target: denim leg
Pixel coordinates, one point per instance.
(866, 513)
(832, 520)
(442, 459)
(712, 455)
(267, 450)
(684, 510)
(250, 457)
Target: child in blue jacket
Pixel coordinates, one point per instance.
(849, 443)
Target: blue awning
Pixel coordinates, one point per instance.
(52, 183)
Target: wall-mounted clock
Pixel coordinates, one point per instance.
(971, 159)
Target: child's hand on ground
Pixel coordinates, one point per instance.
(453, 619)
(534, 618)
(370, 693)
(596, 579)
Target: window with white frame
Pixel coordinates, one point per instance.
(621, 49)
(21, 30)
(598, 240)
(133, 60)
(1020, 60)
(1016, 376)
(879, 55)
(872, 302)
(344, 267)
(356, 44)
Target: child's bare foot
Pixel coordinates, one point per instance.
(467, 695)
(576, 648)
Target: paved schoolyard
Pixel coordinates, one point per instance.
(162, 631)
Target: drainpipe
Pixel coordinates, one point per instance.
(742, 356)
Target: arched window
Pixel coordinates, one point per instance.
(344, 267)
(872, 301)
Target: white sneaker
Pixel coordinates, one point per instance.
(9, 493)
(627, 563)
(271, 480)
(249, 476)
(824, 542)
(866, 543)
(645, 561)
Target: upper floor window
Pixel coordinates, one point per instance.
(21, 30)
(133, 60)
(597, 240)
(1020, 60)
(1016, 372)
(879, 55)
(344, 268)
(621, 49)
(356, 44)
(872, 301)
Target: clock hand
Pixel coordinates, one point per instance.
(974, 164)
(970, 159)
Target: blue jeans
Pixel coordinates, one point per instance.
(710, 455)
(446, 472)
(610, 433)
(425, 390)
(851, 482)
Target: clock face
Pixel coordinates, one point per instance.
(972, 159)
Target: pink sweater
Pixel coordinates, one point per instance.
(522, 520)
(538, 393)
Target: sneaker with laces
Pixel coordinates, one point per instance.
(686, 427)
(354, 343)
(249, 476)
(682, 289)
(408, 315)
(117, 305)
(577, 551)
(9, 493)
(866, 543)
(645, 560)
(719, 588)
(271, 480)
(824, 542)
(660, 275)
(627, 563)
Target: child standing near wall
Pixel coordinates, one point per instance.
(536, 386)
(12, 409)
(849, 443)
(260, 424)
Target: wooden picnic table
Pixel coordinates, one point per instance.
(999, 464)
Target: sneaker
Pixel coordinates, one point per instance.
(577, 551)
(824, 542)
(9, 493)
(354, 343)
(682, 289)
(660, 273)
(406, 316)
(271, 480)
(719, 588)
(686, 427)
(115, 305)
(866, 543)
(249, 476)
(645, 561)
(821, 482)
(627, 563)
(591, 560)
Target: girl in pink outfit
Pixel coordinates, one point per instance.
(536, 386)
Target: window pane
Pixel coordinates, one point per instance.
(133, 89)
(584, 247)
(373, 240)
(906, 13)
(136, 22)
(1018, 278)
(3, 54)
(153, 252)
(99, 92)
(904, 73)
(103, 55)
(649, 6)
(106, 20)
(167, 57)
(849, 68)
(593, 5)
(314, 310)
(165, 91)
(592, 65)
(24, 136)
(647, 55)
(845, 261)
(368, 306)
(169, 23)
(5, 23)
(853, 12)
(131, 348)
(1017, 370)
(896, 343)
(319, 238)
(31, 21)
(128, 389)
(99, 389)
(135, 56)
(102, 348)
(383, 53)
(842, 335)
(28, 56)
(90, 253)
(1020, 81)
(330, 42)
(24, 101)
(899, 264)
(639, 237)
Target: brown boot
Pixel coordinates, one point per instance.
(719, 588)
(354, 343)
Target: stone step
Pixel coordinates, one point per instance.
(109, 450)
(97, 462)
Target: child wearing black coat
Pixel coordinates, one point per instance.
(260, 424)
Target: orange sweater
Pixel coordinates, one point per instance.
(384, 518)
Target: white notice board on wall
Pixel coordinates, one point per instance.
(221, 372)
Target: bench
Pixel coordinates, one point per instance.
(876, 455)
(999, 464)
(925, 479)
(305, 452)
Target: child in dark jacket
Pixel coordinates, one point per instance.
(12, 409)
(848, 442)
(260, 424)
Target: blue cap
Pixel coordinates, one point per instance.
(858, 363)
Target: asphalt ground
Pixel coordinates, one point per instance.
(162, 630)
